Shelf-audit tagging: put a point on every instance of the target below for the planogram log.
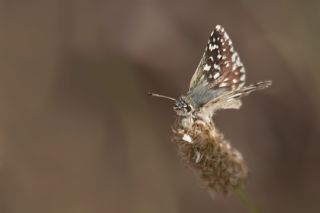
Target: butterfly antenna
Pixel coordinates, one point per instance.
(161, 96)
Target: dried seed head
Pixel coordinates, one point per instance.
(204, 149)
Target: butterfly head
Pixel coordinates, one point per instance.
(182, 107)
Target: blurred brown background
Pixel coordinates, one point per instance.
(78, 133)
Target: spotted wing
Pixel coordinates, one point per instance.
(220, 66)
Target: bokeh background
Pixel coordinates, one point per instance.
(78, 133)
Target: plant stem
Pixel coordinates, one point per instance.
(242, 196)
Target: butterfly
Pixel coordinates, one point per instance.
(218, 82)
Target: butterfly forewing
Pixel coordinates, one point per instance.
(220, 65)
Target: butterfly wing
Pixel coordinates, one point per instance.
(218, 82)
(220, 65)
(231, 99)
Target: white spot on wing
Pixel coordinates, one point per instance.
(206, 67)
(216, 75)
(233, 57)
(223, 84)
(210, 47)
(234, 67)
(238, 62)
(216, 67)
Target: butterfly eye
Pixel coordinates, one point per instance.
(188, 108)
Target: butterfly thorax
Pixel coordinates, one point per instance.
(202, 94)
(196, 99)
